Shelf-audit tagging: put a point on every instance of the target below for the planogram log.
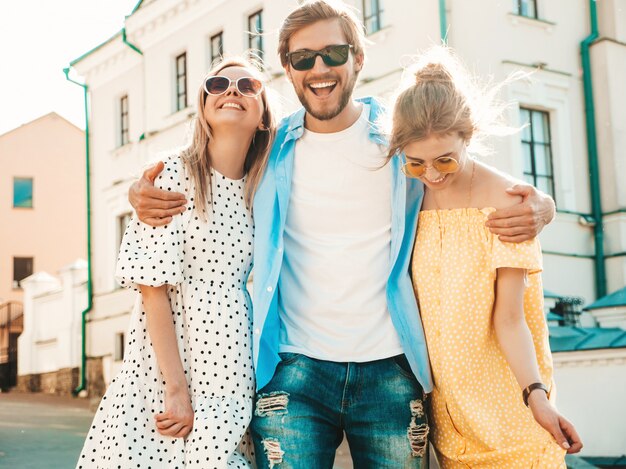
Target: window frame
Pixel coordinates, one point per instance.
(519, 5)
(178, 74)
(32, 191)
(124, 121)
(220, 53)
(377, 14)
(255, 35)
(17, 283)
(532, 143)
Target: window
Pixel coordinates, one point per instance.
(22, 268)
(181, 81)
(372, 15)
(537, 149)
(118, 353)
(122, 223)
(255, 32)
(23, 192)
(124, 120)
(526, 8)
(217, 46)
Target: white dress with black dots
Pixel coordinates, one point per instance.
(207, 264)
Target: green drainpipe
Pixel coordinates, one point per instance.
(443, 22)
(592, 152)
(125, 41)
(83, 361)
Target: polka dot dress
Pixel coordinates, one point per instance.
(207, 264)
(478, 416)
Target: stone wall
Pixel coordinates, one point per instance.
(61, 382)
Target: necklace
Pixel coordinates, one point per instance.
(469, 195)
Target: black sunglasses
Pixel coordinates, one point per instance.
(247, 86)
(333, 56)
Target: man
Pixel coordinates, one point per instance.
(338, 343)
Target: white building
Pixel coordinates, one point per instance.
(143, 83)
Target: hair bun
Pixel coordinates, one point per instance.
(432, 72)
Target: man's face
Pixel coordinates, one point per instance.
(324, 91)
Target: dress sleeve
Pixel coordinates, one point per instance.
(153, 256)
(526, 255)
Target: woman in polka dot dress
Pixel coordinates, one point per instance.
(480, 298)
(183, 398)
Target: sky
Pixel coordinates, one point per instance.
(38, 38)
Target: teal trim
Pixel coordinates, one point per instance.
(615, 212)
(75, 61)
(517, 15)
(571, 212)
(550, 294)
(615, 254)
(567, 254)
(443, 22)
(136, 7)
(592, 151)
(125, 41)
(83, 358)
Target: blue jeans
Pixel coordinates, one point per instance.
(302, 413)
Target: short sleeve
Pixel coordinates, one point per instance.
(526, 255)
(153, 256)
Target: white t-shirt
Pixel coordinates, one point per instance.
(332, 301)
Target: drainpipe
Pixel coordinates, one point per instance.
(443, 22)
(83, 360)
(592, 152)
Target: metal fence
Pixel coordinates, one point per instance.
(11, 326)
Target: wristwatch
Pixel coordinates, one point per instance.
(531, 388)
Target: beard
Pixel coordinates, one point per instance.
(344, 99)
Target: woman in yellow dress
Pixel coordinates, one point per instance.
(480, 298)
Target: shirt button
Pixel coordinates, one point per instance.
(269, 288)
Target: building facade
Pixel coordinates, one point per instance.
(143, 84)
(42, 208)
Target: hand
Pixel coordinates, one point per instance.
(177, 420)
(525, 220)
(155, 207)
(554, 423)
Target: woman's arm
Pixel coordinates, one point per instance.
(177, 420)
(517, 345)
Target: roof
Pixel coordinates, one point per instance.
(91, 51)
(569, 338)
(549, 294)
(554, 317)
(617, 298)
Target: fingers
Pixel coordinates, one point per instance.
(156, 221)
(160, 212)
(557, 434)
(152, 172)
(515, 239)
(147, 192)
(572, 435)
(517, 212)
(183, 432)
(520, 189)
(166, 423)
(172, 429)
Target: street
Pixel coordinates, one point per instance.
(40, 431)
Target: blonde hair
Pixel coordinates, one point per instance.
(439, 97)
(196, 156)
(312, 11)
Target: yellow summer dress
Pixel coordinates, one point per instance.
(478, 417)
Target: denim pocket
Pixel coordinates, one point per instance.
(286, 358)
(402, 365)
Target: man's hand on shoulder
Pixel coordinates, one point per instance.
(525, 220)
(154, 206)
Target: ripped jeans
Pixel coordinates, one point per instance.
(301, 414)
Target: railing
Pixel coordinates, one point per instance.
(11, 326)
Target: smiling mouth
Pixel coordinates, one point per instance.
(231, 106)
(323, 88)
(436, 181)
